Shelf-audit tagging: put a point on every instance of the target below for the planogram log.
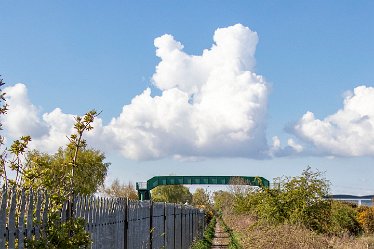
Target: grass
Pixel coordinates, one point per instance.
(234, 243)
(251, 234)
(206, 242)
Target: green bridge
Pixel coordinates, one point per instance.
(144, 188)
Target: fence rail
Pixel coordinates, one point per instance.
(113, 223)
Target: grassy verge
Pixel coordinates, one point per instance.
(254, 235)
(206, 242)
(234, 243)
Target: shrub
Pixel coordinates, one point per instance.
(268, 205)
(344, 219)
(297, 200)
(69, 234)
(366, 218)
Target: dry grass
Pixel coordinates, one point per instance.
(288, 236)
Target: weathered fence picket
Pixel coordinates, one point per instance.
(21, 221)
(3, 217)
(113, 223)
(12, 222)
(30, 211)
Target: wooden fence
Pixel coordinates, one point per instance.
(113, 223)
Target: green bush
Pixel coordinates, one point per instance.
(344, 219)
(297, 200)
(69, 234)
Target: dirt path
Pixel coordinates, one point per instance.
(221, 238)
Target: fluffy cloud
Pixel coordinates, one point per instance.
(22, 117)
(211, 104)
(292, 148)
(348, 132)
(48, 133)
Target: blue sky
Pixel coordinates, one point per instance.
(92, 54)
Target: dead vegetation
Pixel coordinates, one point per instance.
(286, 236)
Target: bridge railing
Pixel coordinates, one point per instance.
(114, 223)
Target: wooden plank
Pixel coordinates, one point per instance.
(87, 213)
(45, 215)
(64, 211)
(30, 215)
(38, 215)
(21, 221)
(12, 220)
(93, 212)
(3, 233)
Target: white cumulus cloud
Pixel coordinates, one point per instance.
(348, 132)
(23, 118)
(211, 105)
(292, 148)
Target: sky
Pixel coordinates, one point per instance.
(198, 87)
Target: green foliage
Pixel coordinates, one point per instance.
(297, 200)
(53, 172)
(344, 219)
(304, 199)
(267, 204)
(73, 170)
(62, 235)
(116, 189)
(200, 197)
(222, 200)
(171, 193)
(3, 104)
(17, 151)
(3, 111)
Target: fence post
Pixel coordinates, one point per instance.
(12, 220)
(126, 223)
(175, 217)
(151, 230)
(192, 223)
(3, 217)
(21, 220)
(30, 215)
(182, 227)
(165, 225)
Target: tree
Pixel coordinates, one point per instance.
(238, 186)
(296, 200)
(223, 200)
(344, 219)
(172, 194)
(3, 111)
(117, 189)
(201, 198)
(52, 172)
(304, 197)
(67, 234)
